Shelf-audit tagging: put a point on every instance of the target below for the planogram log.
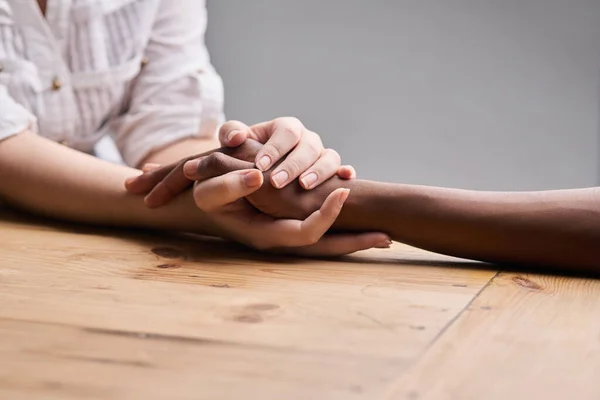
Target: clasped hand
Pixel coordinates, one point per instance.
(249, 206)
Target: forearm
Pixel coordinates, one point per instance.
(180, 150)
(49, 179)
(553, 229)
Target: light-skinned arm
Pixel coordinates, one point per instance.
(46, 178)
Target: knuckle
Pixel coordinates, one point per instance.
(291, 126)
(272, 151)
(334, 156)
(205, 163)
(293, 166)
(312, 238)
(308, 237)
(229, 126)
(315, 145)
(290, 121)
(219, 157)
(213, 161)
(292, 132)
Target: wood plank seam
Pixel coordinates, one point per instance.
(393, 387)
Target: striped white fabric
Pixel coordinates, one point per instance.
(137, 70)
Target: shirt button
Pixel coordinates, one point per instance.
(56, 84)
(1, 67)
(144, 62)
(201, 71)
(64, 142)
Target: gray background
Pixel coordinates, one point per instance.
(496, 94)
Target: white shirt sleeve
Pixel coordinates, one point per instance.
(14, 118)
(177, 94)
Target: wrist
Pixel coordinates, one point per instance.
(181, 215)
(382, 207)
(360, 212)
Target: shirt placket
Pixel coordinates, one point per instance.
(46, 38)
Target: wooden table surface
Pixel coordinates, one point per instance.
(100, 314)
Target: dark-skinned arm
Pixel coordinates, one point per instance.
(553, 229)
(559, 229)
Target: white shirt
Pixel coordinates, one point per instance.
(137, 70)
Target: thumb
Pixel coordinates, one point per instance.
(225, 189)
(233, 133)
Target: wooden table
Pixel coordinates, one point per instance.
(98, 314)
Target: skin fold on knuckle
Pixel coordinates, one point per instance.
(290, 127)
(313, 143)
(272, 151)
(212, 165)
(289, 122)
(330, 163)
(246, 151)
(293, 166)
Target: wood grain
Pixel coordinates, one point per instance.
(102, 314)
(524, 337)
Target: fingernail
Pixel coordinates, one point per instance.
(191, 167)
(280, 178)
(150, 166)
(252, 178)
(309, 180)
(129, 181)
(383, 245)
(264, 163)
(344, 196)
(232, 135)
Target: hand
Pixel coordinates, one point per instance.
(240, 221)
(222, 198)
(162, 184)
(300, 150)
(290, 202)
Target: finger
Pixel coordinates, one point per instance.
(323, 169)
(233, 133)
(176, 182)
(308, 151)
(170, 177)
(150, 167)
(212, 166)
(145, 182)
(166, 183)
(294, 233)
(341, 244)
(217, 192)
(285, 134)
(167, 188)
(346, 172)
